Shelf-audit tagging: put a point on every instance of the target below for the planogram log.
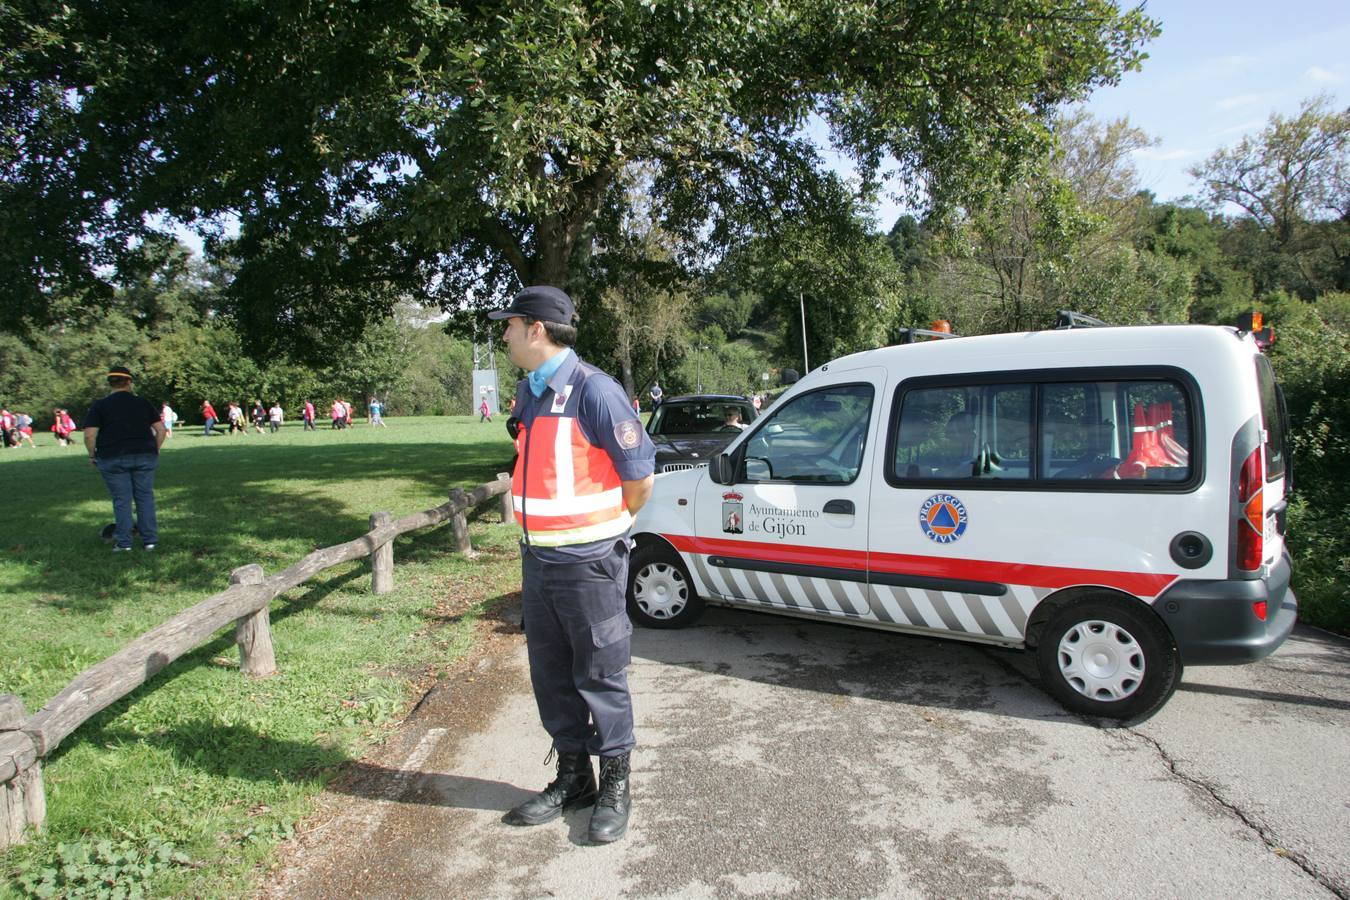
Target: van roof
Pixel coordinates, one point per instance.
(1055, 348)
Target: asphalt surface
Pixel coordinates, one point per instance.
(784, 758)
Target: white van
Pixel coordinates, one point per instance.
(1112, 498)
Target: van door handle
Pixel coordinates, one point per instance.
(840, 506)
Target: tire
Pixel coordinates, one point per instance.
(1107, 657)
(660, 594)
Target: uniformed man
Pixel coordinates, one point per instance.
(583, 468)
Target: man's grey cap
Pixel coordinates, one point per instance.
(542, 302)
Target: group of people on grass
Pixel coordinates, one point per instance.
(270, 417)
(16, 428)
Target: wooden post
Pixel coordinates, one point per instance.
(508, 505)
(23, 802)
(382, 558)
(253, 633)
(459, 523)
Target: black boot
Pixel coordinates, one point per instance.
(573, 788)
(609, 820)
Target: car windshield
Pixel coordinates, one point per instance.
(700, 416)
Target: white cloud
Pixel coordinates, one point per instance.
(1243, 128)
(1334, 75)
(1152, 153)
(1240, 100)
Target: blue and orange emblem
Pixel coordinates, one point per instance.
(943, 518)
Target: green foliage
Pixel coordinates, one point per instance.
(1220, 289)
(837, 268)
(444, 151)
(1311, 356)
(103, 870)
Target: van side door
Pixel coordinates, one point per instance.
(791, 531)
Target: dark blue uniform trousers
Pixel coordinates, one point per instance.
(578, 636)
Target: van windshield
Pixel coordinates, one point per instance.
(1272, 419)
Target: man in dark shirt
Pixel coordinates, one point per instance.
(123, 434)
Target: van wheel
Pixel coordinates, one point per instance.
(1101, 657)
(660, 594)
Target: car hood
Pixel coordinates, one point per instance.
(700, 446)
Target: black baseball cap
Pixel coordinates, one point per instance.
(542, 302)
(119, 372)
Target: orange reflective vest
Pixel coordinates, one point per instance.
(569, 493)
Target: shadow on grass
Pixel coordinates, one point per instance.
(233, 751)
(218, 505)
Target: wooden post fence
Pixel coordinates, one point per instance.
(508, 504)
(253, 633)
(26, 740)
(382, 560)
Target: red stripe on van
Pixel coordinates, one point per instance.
(1141, 584)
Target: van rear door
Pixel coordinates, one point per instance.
(1274, 424)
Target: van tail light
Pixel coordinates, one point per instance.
(1251, 525)
(1259, 607)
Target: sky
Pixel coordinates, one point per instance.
(1217, 72)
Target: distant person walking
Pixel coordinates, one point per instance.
(274, 417)
(169, 418)
(9, 426)
(376, 412)
(484, 411)
(236, 416)
(123, 434)
(347, 413)
(656, 394)
(62, 426)
(24, 430)
(259, 416)
(339, 413)
(309, 416)
(209, 414)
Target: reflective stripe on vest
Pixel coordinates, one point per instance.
(571, 492)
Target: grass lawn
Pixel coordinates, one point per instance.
(202, 758)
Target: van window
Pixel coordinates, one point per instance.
(815, 438)
(1110, 432)
(1271, 419)
(970, 431)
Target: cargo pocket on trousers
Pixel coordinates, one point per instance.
(610, 645)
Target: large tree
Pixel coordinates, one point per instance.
(1293, 182)
(374, 150)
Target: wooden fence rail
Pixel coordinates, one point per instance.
(26, 740)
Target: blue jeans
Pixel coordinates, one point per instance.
(210, 423)
(132, 477)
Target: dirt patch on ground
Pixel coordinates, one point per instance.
(457, 701)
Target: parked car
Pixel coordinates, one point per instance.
(1111, 499)
(688, 431)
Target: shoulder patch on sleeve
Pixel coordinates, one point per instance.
(628, 434)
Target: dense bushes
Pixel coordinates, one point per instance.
(1312, 359)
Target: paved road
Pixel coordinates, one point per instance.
(782, 758)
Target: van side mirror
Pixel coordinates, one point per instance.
(722, 469)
